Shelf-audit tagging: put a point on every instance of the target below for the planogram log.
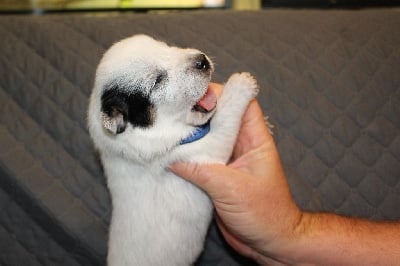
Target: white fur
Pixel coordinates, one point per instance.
(158, 218)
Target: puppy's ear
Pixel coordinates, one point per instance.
(120, 106)
(114, 110)
(113, 121)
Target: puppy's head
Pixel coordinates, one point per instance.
(148, 96)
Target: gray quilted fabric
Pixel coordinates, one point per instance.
(330, 83)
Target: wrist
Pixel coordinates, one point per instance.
(303, 242)
(289, 252)
(286, 246)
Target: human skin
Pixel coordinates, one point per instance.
(258, 217)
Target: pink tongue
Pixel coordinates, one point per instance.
(209, 100)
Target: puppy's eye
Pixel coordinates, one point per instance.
(159, 78)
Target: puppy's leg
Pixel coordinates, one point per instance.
(238, 91)
(217, 145)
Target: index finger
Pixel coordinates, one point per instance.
(217, 88)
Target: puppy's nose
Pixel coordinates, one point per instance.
(201, 62)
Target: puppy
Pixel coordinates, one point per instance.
(151, 106)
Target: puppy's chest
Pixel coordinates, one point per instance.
(159, 197)
(146, 182)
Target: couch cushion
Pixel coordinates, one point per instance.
(329, 82)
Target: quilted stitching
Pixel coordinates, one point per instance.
(31, 246)
(329, 83)
(41, 157)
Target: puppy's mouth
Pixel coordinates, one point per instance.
(207, 103)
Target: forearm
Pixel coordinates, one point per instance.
(328, 239)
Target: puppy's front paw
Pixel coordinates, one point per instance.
(244, 84)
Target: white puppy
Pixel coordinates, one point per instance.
(151, 106)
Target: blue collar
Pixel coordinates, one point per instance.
(200, 132)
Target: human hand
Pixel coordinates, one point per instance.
(254, 207)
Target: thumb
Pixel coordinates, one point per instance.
(212, 178)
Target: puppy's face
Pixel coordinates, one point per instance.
(148, 96)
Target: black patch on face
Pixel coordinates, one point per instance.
(134, 106)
